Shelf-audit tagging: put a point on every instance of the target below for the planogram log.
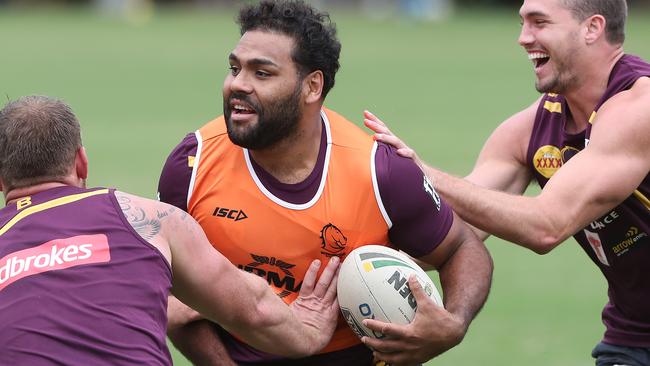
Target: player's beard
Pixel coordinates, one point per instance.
(564, 78)
(275, 122)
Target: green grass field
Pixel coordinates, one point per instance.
(139, 88)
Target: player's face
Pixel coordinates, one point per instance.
(262, 93)
(550, 36)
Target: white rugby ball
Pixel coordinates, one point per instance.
(373, 284)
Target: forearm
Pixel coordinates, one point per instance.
(518, 219)
(466, 278)
(199, 343)
(268, 324)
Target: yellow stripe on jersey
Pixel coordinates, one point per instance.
(47, 205)
(553, 107)
(641, 197)
(592, 117)
(190, 161)
(552, 95)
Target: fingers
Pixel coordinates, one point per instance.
(326, 285)
(421, 298)
(372, 122)
(331, 290)
(376, 127)
(371, 117)
(309, 281)
(390, 330)
(391, 140)
(406, 152)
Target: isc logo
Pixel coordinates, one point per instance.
(229, 214)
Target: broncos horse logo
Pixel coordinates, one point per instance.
(333, 241)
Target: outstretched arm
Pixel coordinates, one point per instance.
(501, 165)
(594, 181)
(239, 301)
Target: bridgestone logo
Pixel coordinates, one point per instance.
(54, 255)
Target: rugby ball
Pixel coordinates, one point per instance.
(373, 284)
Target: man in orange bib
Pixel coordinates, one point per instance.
(279, 181)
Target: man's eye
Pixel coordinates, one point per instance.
(262, 74)
(233, 70)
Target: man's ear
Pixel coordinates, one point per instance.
(313, 85)
(81, 163)
(595, 28)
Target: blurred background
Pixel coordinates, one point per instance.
(442, 73)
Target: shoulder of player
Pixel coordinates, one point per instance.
(400, 181)
(387, 159)
(182, 152)
(188, 144)
(148, 217)
(629, 110)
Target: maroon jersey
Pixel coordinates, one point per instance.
(617, 242)
(78, 286)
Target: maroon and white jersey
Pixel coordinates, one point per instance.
(78, 286)
(617, 242)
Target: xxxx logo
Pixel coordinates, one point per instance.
(547, 160)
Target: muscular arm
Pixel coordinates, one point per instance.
(465, 269)
(195, 339)
(604, 174)
(501, 165)
(241, 302)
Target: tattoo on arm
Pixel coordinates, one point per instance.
(146, 227)
(162, 214)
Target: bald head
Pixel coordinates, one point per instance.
(39, 139)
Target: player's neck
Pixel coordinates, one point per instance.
(292, 160)
(583, 98)
(19, 193)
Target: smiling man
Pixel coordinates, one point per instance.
(586, 141)
(279, 181)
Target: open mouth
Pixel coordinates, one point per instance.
(539, 59)
(241, 108)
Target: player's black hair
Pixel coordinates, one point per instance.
(317, 47)
(39, 139)
(614, 12)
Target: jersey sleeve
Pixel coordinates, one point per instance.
(420, 219)
(174, 183)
